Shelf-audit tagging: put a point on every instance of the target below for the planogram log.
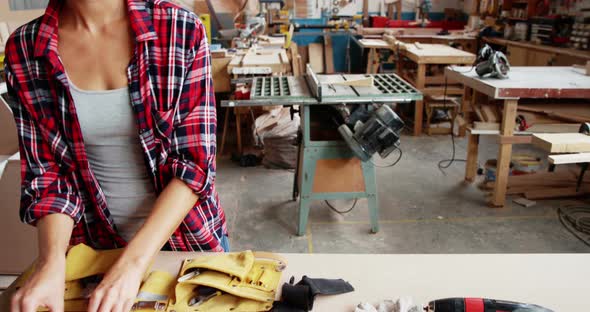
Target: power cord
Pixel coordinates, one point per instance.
(576, 219)
(392, 164)
(446, 163)
(341, 212)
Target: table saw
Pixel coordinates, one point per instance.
(310, 92)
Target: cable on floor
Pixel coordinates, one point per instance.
(342, 211)
(576, 219)
(446, 163)
(401, 153)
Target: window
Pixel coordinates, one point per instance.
(28, 4)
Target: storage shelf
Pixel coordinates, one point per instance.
(518, 19)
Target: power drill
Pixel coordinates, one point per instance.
(481, 305)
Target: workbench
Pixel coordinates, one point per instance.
(374, 43)
(522, 83)
(522, 53)
(413, 66)
(327, 168)
(519, 277)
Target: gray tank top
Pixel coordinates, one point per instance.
(115, 155)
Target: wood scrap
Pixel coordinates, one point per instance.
(478, 113)
(562, 142)
(585, 68)
(316, 57)
(489, 113)
(295, 58)
(328, 54)
(363, 82)
(486, 125)
(524, 202)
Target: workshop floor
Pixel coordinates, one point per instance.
(422, 210)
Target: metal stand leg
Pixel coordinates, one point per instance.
(308, 172)
(371, 190)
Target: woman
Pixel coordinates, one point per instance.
(116, 117)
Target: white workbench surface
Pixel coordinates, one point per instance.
(527, 82)
(555, 281)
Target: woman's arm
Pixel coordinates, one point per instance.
(118, 289)
(45, 288)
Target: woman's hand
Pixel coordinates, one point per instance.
(45, 288)
(119, 287)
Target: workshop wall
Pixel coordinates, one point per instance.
(315, 7)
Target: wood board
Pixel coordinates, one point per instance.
(562, 142)
(328, 54)
(316, 57)
(569, 158)
(437, 54)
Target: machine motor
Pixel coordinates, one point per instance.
(376, 131)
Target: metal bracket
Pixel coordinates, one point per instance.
(313, 83)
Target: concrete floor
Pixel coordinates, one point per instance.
(421, 211)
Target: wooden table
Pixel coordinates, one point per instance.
(522, 83)
(373, 58)
(555, 281)
(421, 57)
(522, 53)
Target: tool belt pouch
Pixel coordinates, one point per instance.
(236, 282)
(84, 269)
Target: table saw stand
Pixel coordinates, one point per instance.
(311, 91)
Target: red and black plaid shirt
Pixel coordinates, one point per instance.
(172, 97)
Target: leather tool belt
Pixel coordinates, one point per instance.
(237, 282)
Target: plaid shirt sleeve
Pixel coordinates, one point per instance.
(45, 189)
(193, 143)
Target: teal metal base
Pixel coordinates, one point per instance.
(310, 153)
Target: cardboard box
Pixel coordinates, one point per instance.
(8, 135)
(18, 241)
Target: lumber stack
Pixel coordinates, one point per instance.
(546, 185)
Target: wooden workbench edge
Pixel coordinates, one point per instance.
(556, 50)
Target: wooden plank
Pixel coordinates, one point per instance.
(366, 21)
(316, 57)
(524, 202)
(363, 82)
(489, 113)
(478, 113)
(569, 158)
(515, 139)
(554, 128)
(338, 175)
(328, 54)
(295, 59)
(562, 142)
(486, 125)
(555, 192)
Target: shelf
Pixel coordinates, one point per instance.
(518, 19)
